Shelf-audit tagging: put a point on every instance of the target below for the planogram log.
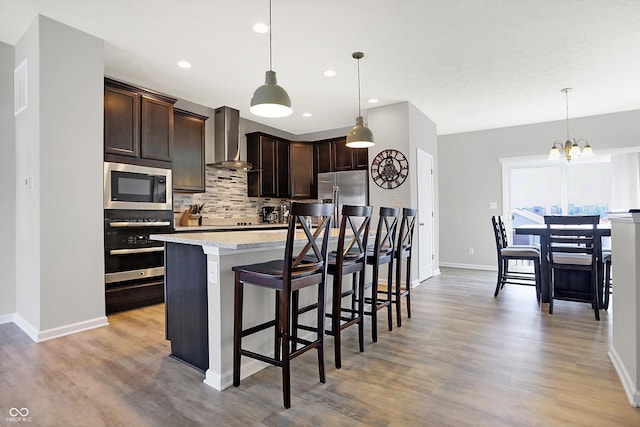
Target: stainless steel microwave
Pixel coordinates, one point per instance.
(137, 187)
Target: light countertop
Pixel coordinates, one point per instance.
(248, 239)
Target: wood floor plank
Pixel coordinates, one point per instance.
(465, 358)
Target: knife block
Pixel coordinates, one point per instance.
(190, 220)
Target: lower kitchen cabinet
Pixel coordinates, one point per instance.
(127, 296)
(188, 152)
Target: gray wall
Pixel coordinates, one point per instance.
(470, 175)
(60, 271)
(403, 127)
(7, 187)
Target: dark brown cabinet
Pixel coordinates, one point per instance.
(188, 151)
(301, 172)
(138, 123)
(269, 156)
(333, 155)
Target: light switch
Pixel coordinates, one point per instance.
(493, 205)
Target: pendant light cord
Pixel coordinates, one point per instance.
(270, 54)
(359, 113)
(566, 96)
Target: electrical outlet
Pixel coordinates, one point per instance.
(471, 251)
(493, 205)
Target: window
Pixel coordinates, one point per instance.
(533, 189)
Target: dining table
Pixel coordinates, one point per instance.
(565, 281)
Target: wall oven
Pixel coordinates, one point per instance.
(137, 203)
(134, 264)
(137, 187)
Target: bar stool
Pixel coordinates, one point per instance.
(348, 258)
(381, 253)
(294, 272)
(403, 251)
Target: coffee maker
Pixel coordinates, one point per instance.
(268, 214)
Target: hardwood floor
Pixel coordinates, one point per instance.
(464, 359)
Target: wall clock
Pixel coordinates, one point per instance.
(389, 169)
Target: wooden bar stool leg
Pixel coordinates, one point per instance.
(390, 295)
(284, 326)
(397, 292)
(237, 330)
(374, 305)
(359, 279)
(408, 287)
(335, 320)
(295, 298)
(277, 337)
(321, 326)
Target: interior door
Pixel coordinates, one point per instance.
(425, 215)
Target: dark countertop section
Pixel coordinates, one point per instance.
(201, 228)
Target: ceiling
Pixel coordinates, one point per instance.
(467, 64)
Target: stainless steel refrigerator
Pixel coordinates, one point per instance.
(346, 187)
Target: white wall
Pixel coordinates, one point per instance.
(7, 187)
(59, 250)
(470, 175)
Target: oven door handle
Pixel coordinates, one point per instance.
(119, 224)
(136, 251)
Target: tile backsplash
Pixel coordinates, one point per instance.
(225, 197)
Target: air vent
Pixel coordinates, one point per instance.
(20, 88)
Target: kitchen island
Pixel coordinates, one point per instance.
(199, 298)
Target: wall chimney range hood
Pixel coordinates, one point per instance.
(227, 140)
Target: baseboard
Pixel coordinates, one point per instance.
(7, 318)
(633, 394)
(27, 328)
(72, 328)
(60, 331)
(469, 266)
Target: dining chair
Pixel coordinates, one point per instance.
(349, 258)
(296, 271)
(506, 253)
(382, 253)
(404, 250)
(573, 246)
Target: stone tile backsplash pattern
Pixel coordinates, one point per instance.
(225, 197)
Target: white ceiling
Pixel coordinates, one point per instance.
(467, 64)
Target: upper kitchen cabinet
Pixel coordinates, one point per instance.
(138, 125)
(333, 155)
(269, 156)
(301, 172)
(188, 152)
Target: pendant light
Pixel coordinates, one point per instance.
(270, 99)
(359, 136)
(570, 146)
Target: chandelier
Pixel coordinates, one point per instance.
(570, 147)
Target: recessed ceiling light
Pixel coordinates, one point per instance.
(184, 64)
(306, 114)
(373, 101)
(329, 73)
(260, 28)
